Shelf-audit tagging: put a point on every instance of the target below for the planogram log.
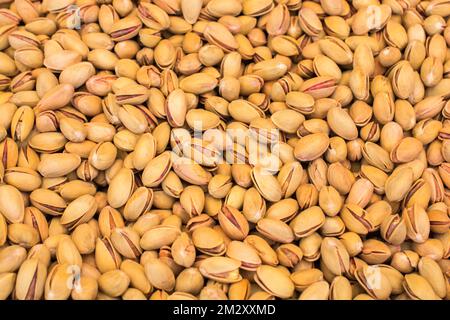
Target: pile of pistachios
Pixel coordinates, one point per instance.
(224, 149)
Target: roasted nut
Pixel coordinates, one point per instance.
(239, 149)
